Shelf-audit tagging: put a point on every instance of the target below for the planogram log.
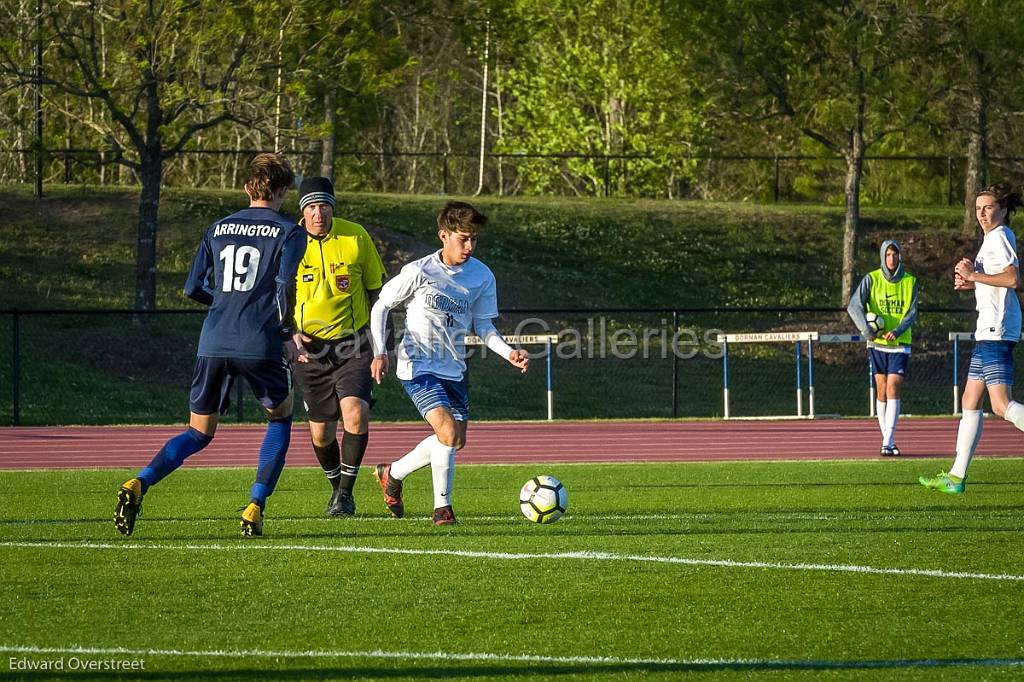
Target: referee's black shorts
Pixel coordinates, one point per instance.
(336, 369)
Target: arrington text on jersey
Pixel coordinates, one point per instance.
(246, 230)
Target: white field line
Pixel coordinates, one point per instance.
(709, 663)
(521, 556)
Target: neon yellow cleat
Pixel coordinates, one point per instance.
(944, 482)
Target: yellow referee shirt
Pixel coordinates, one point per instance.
(331, 283)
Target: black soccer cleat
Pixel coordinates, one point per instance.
(129, 506)
(444, 516)
(342, 504)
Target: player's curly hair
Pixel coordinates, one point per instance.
(458, 216)
(1007, 198)
(268, 173)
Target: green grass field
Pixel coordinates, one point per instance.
(847, 570)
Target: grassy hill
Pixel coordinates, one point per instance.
(74, 250)
(76, 247)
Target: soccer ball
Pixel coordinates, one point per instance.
(543, 499)
(876, 323)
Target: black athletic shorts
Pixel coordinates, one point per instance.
(213, 378)
(336, 370)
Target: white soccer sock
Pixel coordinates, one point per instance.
(442, 468)
(1015, 414)
(892, 415)
(880, 413)
(414, 460)
(967, 437)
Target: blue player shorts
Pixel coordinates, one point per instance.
(992, 362)
(213, 378)
(428, 391)
(889, 363)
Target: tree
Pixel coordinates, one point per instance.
(16, 104)
(845, 75)
(164, 70)
(979, 45)
(339, 56)
(434, 104)
(602, 78)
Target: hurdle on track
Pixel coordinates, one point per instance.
(956, 338)
(774, 337)
(547, 340)
(798, 338)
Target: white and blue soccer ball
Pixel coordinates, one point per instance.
(876, 323)
(543, 499)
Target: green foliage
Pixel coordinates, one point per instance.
(599, 80)
(345, 51)
(665, 80)
(184, 59)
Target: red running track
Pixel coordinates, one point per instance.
(508, 442)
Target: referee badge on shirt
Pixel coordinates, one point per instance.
(342, 282)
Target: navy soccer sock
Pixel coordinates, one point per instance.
(272, 452)
(171, 456)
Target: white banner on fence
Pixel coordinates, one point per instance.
(767, 337)
(524, 339)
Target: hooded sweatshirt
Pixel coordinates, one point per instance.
(892, 295)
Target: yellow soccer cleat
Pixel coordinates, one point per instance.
(129, 506)
(252, 521)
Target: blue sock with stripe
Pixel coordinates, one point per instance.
(172, 455)
(272, 452)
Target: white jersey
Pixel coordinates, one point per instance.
(998, 307)
(442, 303)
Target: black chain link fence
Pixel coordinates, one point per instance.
(111, 367)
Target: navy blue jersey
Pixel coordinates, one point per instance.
(244, 270)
